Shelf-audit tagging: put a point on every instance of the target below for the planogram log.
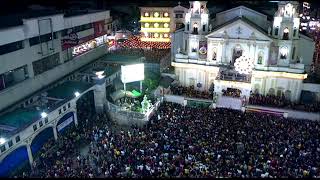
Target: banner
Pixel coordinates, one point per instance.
(203, 49)
(71, 40)
(64, 123)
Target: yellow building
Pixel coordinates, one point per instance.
(158, 22)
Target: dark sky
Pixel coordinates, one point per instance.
(14, 6)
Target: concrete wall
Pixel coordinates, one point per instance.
(31, 85)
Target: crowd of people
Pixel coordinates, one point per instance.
(190, 92)
(151, 55)
(191, 142)
(231, 92)
(281, 102)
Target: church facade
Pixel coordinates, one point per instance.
(242, 50)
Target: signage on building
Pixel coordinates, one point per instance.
(203, 49)
(64, 123)
(70, 40)
(98, 28)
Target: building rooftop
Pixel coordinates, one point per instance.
(12, 122)
(67, 89)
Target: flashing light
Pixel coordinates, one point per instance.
(2, 141)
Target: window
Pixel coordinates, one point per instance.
(10, 143)
(46, 120)
(31, 100)
(214, 53)
(3, 148)
(69, 105)
(17, 139)
(59, 111)
(204, 27)
(260, 57)
(285, 34)
(179, 16)
(13, 77)
(194, 49)
(4, 49)
(64, 108)
(45, 64)
(283, 52)
(195, 28)
(82, 27)
(35, 127)
(185, 45)
(293, 52)
(40, 123)
(276, 31)
(43, 38)
(294, 32)
(188, 27)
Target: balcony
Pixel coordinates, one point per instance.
(155, 30)
(154, 19)
(230, 75)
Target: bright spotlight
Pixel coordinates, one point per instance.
(77, 94)
(44, 115)
(2, 141)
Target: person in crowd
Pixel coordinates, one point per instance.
(187, 142)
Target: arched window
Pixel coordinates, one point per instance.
(260, 57)
(293, 52)
(285, 34)
(195, 28)
(283, 52)
(271, 91)
(276, 31)
(214, 53)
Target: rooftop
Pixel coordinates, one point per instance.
(67, 89)
(12, 122)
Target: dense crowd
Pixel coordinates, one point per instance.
(190, 92)
(281, 102)
(152, 55)
(190, 142)
(231, 92)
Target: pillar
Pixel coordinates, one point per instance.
(99, 97)
(55, 133)
(75, 118)
(140, 86)
(30, 155)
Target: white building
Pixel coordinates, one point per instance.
(44, 49)
(243, 50)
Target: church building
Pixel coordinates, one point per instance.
(241, 49)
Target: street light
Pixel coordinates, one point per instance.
(2, 141)
(77, 94)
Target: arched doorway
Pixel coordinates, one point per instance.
(14, 161)
(287, 94)
(40, 139)
(271, 91)
(285, 34)
(236, 53)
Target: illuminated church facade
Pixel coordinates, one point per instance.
(241, 49)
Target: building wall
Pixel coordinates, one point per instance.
(17, 92)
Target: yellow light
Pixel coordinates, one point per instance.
(156, 25)
(146, 14)
(146, 25)
(165, 35)
(156, 35)
(166, 14)
(155, 29)
(155, 39)
(166, 25)
(156, 14)
(153, 19)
